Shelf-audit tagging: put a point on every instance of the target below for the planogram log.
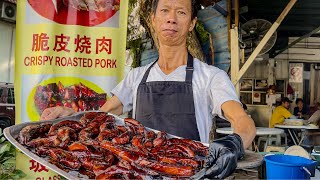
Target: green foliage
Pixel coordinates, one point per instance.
(202, 34)
(132, 3)
(134, 42)
(63, 178)
(135, 47)
(15, 174)
(8, 161)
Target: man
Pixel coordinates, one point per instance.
(179, 94)
(315, 117)
(301, 110)
(281, 112)
(311, 137)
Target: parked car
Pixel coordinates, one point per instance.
(7, 105)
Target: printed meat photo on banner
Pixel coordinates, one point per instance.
(104, 13)
(81, 94)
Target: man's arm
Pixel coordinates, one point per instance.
(56, 112)
(113, 105)
(315, 118)
(287, 114)
(242, 124)
(225, 152)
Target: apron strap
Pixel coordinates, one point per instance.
(189, 70)
(145, 76)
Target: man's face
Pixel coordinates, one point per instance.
(172, 21)
(300, 104)
(286, 105)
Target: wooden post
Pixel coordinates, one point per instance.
(229, 20)
(264, 40)
(242, 56)
(312, 85)
(211, 48)
(236, 13)
(235, 60)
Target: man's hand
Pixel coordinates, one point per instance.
(55, 112)
(223, 156)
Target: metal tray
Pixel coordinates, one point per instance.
(12, 133)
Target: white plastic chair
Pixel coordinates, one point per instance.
(272, 139)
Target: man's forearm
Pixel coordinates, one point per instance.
(242, 124)
(247, 132)
(113, 105)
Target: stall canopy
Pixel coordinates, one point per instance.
(302, 19)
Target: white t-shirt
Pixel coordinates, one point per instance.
(211, 88)
(315, 118)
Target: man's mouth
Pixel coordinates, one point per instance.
(170, 30)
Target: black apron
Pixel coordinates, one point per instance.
(168, 105)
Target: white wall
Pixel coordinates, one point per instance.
(12, 58)
(307, 50)
(7, 58)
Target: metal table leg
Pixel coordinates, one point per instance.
(302, 136)
(292, 137)
(267, 142)
(295, 135)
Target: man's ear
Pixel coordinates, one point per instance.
(193, 23)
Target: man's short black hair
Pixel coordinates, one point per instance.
(298, 100)
(285, 99)
(195, 6)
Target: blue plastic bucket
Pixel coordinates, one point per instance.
(289, 167)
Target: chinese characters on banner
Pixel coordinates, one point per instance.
(66, 55)
(37, 167)
(82, 46)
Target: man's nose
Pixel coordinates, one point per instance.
(172, 17)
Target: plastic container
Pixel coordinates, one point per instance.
(289, 167)
(294, 122)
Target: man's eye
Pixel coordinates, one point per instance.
(181, 12)
(164, 10)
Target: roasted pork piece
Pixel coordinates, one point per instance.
(90, 5)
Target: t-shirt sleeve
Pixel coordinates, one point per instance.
(221, 91)
(124, 91)
(286, 113)
(315, 117)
